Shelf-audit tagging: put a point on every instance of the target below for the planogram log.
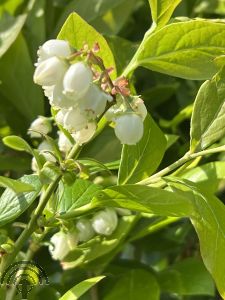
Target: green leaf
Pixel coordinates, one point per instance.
(10, 28)
(17, 72)
(188, 277)
(140, 161)
(135, 284)
(144, 199)
(209, 222)
(17, 143)
(15, 185)
(77, 32)
(208, 118)
(71, 197)
(185, 49)
(78, 290)
(207, 176)
(13, 205)
(162, 10)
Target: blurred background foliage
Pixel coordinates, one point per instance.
(172, 253)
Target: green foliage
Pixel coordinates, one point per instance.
(81, 288)
(207, 123)
(12, 205)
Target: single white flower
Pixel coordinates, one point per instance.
(105, 222)
(85, 134)
(64, 143)
(74, 120)
(42, 125)
(51, 48)
(48, 91)
(60, 116)
(62, 244)
(85, 230)
(129, 128)
(77, 80)
(93, 103)
(50, 71)
(139, 106)
(43, 149)
(59, 99)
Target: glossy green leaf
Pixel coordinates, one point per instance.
(208, 118)
(144, 199)
(10, 28)
(188, 277)
(78, 290)
(15, 185)
(141, 160)
(74, 196)
(209, 222)
(13, 205)
(207, 176)
(162, 10)
(184, 49)
(17, 143)
(77, 32)
(135, 284)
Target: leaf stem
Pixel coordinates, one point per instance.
(187, 157)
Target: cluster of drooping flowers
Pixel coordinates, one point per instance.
(103, 223)
(79, 87)
(70, 89)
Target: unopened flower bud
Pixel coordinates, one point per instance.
(64, 143)
(93, 103)
(62, 244)
(85, 230)
(129, 128)
(85, 134)
(54, 48)
(43, 147)
(74, 120)
(50, 71)
(105, 221)
(77, 80)
(42, 125)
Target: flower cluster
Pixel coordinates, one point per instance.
(70, 89)
(80, 93)
(103, 223)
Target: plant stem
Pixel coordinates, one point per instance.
(187, 157)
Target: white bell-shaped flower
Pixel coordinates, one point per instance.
(50, 71)
(60, 116)
(139, 106)
(64, 143)
(93, 103)
(51, 48)
(59, 99)
(105, 221)
(85, 134)
(48, 91)
(85, 230)
(74, 120)
(42, 125)
(129, 128)
(61, 244)
(77, 80)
